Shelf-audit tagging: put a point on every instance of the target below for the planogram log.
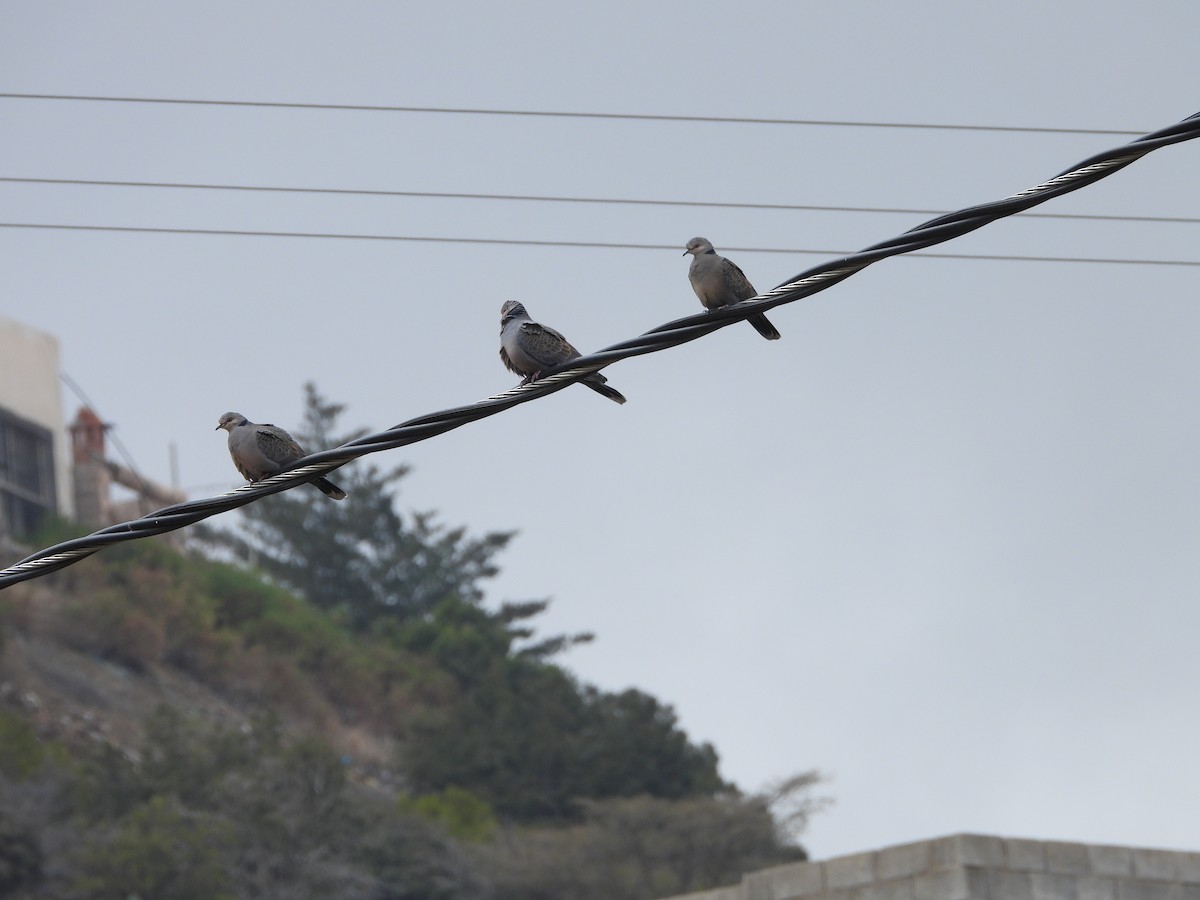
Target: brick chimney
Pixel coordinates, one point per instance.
(90, 475)
(87, 436)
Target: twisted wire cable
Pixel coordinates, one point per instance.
(681, 331)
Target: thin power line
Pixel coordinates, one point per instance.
(550, 198)
(562, 114)
(600, 245)
(680, 331)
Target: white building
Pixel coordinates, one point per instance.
(34, 473)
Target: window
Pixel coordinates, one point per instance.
(27, 494)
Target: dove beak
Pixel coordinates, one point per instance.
(686, 252)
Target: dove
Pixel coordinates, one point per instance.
(262, 450)
(719, 282)
(529, 349)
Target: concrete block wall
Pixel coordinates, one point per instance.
(978, 867)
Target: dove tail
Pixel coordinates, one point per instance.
(764, 327)
(329, 489)
(597, 384)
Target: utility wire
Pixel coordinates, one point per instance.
(545, 198)
(560, 114)
(600, 245)
(680, 331)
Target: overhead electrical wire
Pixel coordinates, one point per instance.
(558, 114)
(551, 198)
(589, 245)
(671, 334)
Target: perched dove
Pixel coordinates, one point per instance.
(719, 282)
(529, 349)
(262, 450)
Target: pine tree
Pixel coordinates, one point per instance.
(360, 557)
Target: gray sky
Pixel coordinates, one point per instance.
(938, 542)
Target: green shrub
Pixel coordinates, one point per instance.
(160, 850)
(20, 858)
(21, 753)
(463, 815)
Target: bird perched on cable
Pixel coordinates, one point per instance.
(718, 282)
(262, 450)
(529, 348)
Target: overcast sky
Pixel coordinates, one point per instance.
(939, 541)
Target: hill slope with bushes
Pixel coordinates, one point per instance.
(345, 718)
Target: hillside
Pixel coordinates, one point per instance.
(172, 726)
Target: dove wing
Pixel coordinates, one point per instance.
(735, 278)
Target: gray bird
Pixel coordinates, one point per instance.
(529, 349)
(719, 282)
(262, 450)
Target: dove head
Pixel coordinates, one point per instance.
(512, 309)
(231, 420)
(698, 245)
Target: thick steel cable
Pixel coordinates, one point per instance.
(680, 331)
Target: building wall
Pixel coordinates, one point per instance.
(30, 389)
(978, 867)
